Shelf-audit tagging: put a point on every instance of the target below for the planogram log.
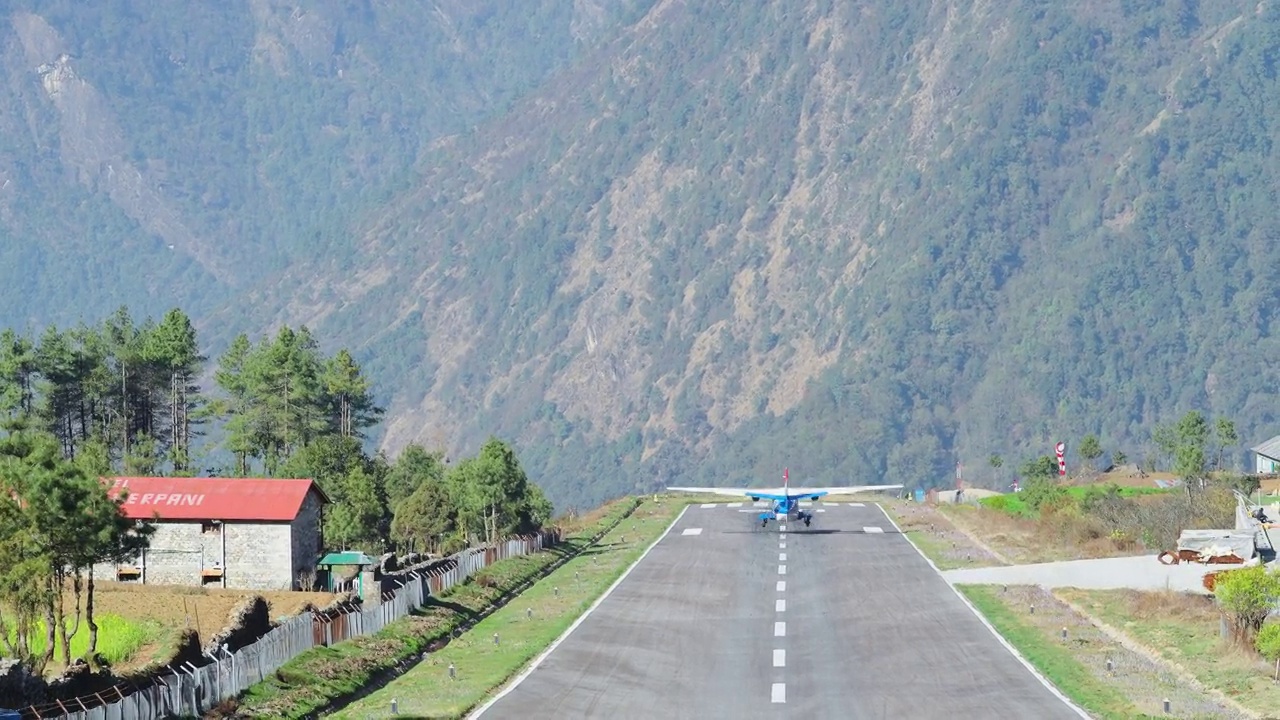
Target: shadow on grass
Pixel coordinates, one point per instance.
(457, 608)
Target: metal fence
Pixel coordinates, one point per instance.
(193, 690)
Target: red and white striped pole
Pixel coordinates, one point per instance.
(1061, 449)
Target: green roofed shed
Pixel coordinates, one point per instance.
(346, 559)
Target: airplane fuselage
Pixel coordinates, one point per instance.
(784, 509)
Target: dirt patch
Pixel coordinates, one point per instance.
(1167, 604)
(949, 544)
(250, 619)
(205, 610)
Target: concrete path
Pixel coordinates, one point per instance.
(844, 619)
(1142, 572)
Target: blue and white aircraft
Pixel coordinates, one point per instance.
(786, 500)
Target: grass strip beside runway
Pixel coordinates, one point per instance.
(1048, 655)
(1183, 629)
(481, 666)
(322, 677)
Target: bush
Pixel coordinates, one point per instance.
(1247, 595)
(1045, 492)
(1268, 644)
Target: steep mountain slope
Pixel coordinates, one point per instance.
(865, 240)
(157, 152)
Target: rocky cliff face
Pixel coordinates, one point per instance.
(660, 240)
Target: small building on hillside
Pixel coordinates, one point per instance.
(1266, 457)
(252, 534)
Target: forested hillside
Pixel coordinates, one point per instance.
(661, 240)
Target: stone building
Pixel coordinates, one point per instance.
(255, 534)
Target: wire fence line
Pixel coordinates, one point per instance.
(192, 690)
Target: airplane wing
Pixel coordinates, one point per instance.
(772, 494)
(815, 493)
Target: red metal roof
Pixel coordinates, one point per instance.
(260, 499)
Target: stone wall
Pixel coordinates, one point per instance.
(306, 541)
(258, 555)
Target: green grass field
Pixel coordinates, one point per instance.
(1051, 658)
(1013, 504)
(118, 639)
(482, 666)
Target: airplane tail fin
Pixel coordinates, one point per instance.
(786, 480)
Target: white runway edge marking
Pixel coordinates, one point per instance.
(782, 586)
(1012, 650)
(538, 660)
(779, 692)
(780, 629)
(692, 531)
(782, 569)
(780, 605)
(872, 529)
(779, 658)
(782, 557)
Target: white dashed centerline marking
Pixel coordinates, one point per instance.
(782, 586)
(782, 569)
(857, 504)
(783, 536)
(780, 629)
(779, 692)
(708, 506)
(780, 605)
(779, 658)
(735, 504)
(692, 531)
(782, 557)
(872, 530)
(782, 546)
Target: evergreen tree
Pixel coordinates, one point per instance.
(237, 409)
(350, 405)
(414, 468)
(173, 351)
(17, 369)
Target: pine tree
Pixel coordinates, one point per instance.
(171, 349)
(349, 404)
(237, 409)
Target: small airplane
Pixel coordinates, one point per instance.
(786, 499)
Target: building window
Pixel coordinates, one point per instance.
(209, 526)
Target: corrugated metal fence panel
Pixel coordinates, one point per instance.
(194, 692)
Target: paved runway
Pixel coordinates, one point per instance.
(841, 620)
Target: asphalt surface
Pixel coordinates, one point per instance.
(704, 627)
